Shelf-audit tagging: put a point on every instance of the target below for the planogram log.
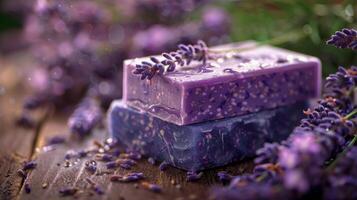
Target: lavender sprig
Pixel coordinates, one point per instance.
(297, 166)
(183, 56)
(87, 115)
(346, 38)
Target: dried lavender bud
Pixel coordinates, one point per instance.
(183, 56)
(346, 38)
(70, 154)
(29, 165)
(163, 166)
(34, 102)
(82, 154)
(111, 164)
(126, 161)
(107, 157)
(125, 166)
(115, 178)
(70, 191)
(26, 121)
(27, 188)
(193, 176)
(152, 187)
(56, 140)
(116, 152)
(86, 116)
(97, 189)
(131, 177)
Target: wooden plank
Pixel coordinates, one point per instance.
(15, 142)
(51, 171)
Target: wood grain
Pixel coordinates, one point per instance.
(16, 143)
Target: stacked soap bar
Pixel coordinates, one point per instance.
(209, 114)
(258, 78)
(204, 145)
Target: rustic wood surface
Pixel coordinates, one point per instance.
(51, 174)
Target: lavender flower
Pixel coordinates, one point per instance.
(125, 166)
(87, 115)
(181, 57)
(131, 177)
(27, 188)
(111, 164)
(70, 191)
(152, 187)
(25, 120)
(97, 189)
(267, 154)
(29, 165)
(58, 139)
(346, 38)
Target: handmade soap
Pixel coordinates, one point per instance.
(242, 81)
(203, 145)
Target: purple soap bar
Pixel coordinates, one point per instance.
(203, 145)
(231, 84)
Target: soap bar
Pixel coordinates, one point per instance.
(203, 145)
(257, 78)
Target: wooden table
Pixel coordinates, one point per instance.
(20, 144)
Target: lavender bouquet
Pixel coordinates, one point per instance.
(319, 159)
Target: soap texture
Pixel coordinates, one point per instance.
(204, 145)
(230, 84)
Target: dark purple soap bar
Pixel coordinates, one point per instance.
(204, 145)
(262, 77)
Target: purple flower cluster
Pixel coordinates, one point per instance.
(80, 45)
(296, 168)
(166, 11)
(183, 56)
(342, 183)
(346, 38)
